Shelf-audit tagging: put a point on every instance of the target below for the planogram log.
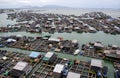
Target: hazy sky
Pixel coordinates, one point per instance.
(69, 3)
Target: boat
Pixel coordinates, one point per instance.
(104, 71)
(76, 52)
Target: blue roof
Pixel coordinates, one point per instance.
(34, 54)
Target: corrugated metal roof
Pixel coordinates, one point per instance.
(58, 68)
(49, 54)
(20, 65)
(34, 54)
(96, 62)
(54, 39)
(73, 75)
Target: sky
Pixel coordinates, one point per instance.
(67, 3)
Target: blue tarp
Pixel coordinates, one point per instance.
(34, 54)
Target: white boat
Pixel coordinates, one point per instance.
(76, 52)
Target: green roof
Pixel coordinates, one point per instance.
(46, 59)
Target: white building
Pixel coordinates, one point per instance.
(73, 75)
(96, 64)
(23, 66)
(58, 70)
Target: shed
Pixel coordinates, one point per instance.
(50, 57)
(34, 54)
(98, 45)
(58, 70)
(96, 64)
(73, 75)
(23, 66)
(107, 51)
(20, 65)
(114, 47)
(54, 39)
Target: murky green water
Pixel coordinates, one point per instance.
(82, 38)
